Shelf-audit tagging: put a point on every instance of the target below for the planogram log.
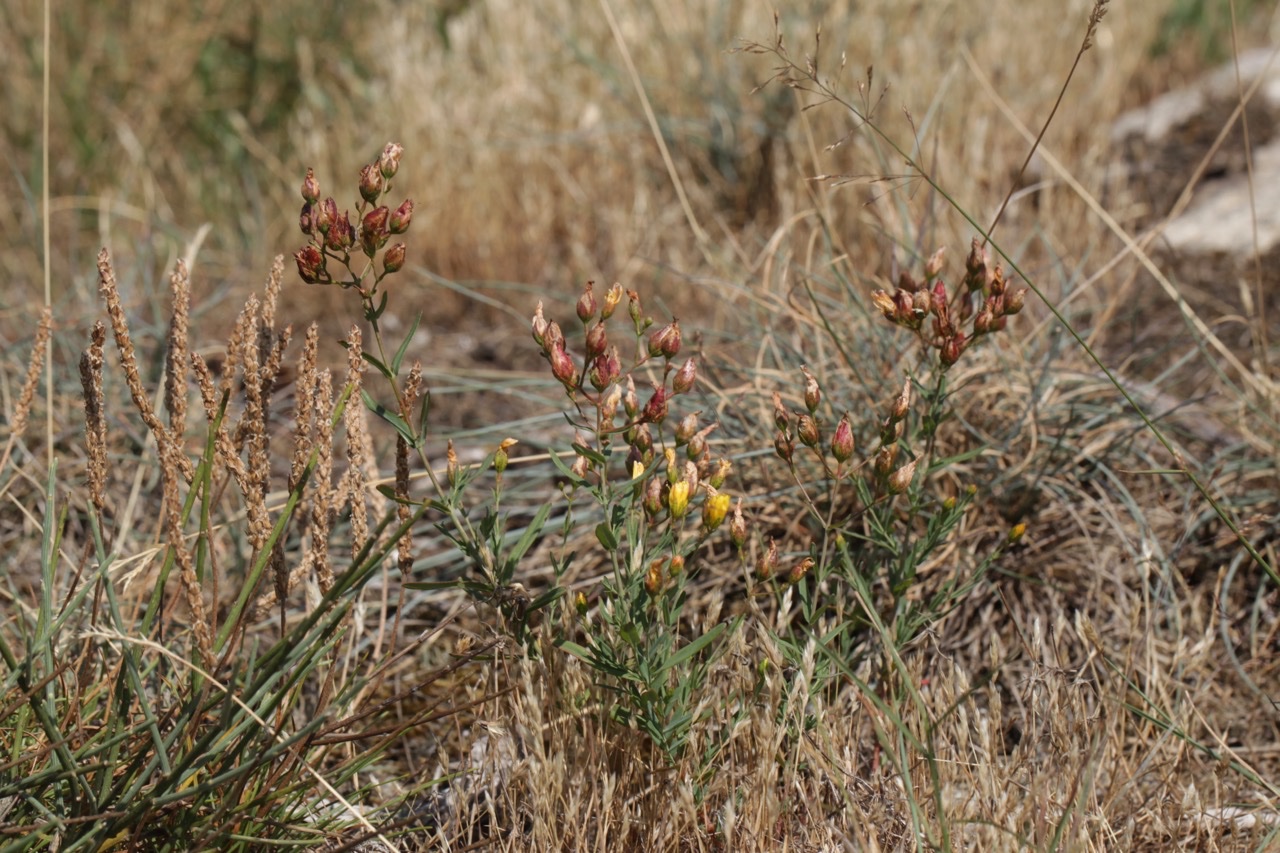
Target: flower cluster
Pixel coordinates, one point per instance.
(334, 236)
(983, 297)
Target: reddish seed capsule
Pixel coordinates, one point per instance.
(393, 260)
(685, 377)
(586, 306)
(310, 265)
(389, 161)
(310, 187)
(401, 217)
(842, 441)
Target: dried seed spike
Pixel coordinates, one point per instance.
(303, 401)
(26, 398)
(272, 295)
(95, 420)
(176, 361)
(323, 503)
(129, 362)
(169, 469)
(245, 330)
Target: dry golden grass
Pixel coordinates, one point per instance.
(1111, 688)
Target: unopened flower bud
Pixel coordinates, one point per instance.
(310, 265)
(370, 183)
(784, 446)
(678, 499)
(393, 260)
(676, 566)
(597, 340)
(609, 408)
(653, 497)
(310, 187)
(539, 325)
(373, 230)
(714, 510)
(738, 527)
(325, 213)
(389, 162)
(604, 370)
(781, 418)
(686, 429)
(580, 604)
(807, 430)
(685, 377)
(673, 468)
(885, 458)
(342, 235)
(899, 481)
(767, 563)
(655, 411)
(635, 312)
(902, 403)
(982, 323)
(643, 439)
(307, 219)
(562, 367)
(934, 265)
(500, 458)
(691, 477)
(451, 464)
(842, 440)
(630, 402)
(952, 349)
(400, 218)
(1017, 532)
(665, 341)
(611, 301)
(921, 303)
(812, 393)
(586, 306)
(1014, 300)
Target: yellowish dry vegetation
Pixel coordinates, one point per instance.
(1110, 686)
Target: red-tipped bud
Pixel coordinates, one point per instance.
(400, 218)
(373, 230)
(587, 303)
(767, 564)
(1014, 300)
(389, 162)
(307, 219)
(655, 411)
(540, 325)
(934, 265)
(604, 369)
(781, 417)
(784, 446)
(653, 501)
(665, 341)
(738, 527)
(686, 429)
(393, 260)
(562, 367)
(597, 340)
(939, 295)
(812, 394)
(611, 301)
(952, 349)
(370, 183)
(310, 187)
(899, 481)
(807, 430)
(676, 566)
(311, 265)
(982, 323)
(685, 377)
(842, 441)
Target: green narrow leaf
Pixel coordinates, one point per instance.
(382, 368)
(404, 345)
(606, 537)
(693, 648)
(530, 534)
(389, 416)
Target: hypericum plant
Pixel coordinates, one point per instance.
(656, 487)
(862, 574)
(357, 257)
